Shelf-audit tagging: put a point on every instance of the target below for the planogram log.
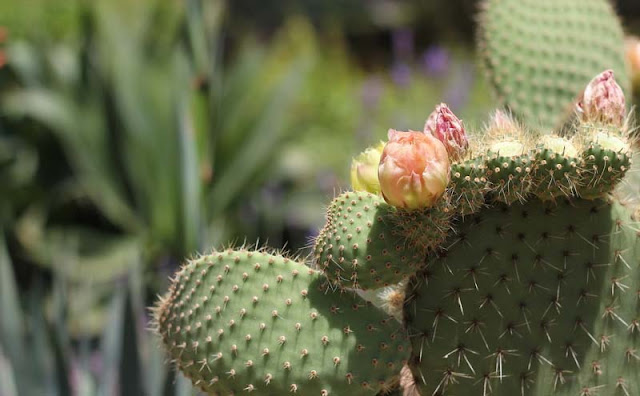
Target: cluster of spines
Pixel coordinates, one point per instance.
(468, 185)
(525, 310)
(588, 164)
(244, 321)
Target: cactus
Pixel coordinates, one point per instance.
(536, 295)
(532, 299)
(502, 266)
(365, 243)
(243, 321)
(539, 54)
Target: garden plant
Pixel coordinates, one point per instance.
(502, 261)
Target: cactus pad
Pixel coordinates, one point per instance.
(557, 168)
(369, 244)
(607, 157)
(242, 321)
(531, 299)
(509, 175)
(540, 54)
(468, 185)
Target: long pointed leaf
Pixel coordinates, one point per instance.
(11, 323)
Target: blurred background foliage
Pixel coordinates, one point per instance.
(135, 133)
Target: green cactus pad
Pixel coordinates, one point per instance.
(468, 185)
(236, 322)
(607, 157)
(531, 299)
(557, 173)
(369, 244)
(540, 54)
(509, 176)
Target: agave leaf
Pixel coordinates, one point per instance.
(81, 131)
(130, 370)
(88, 253)
(111, 342)
(262, 141)
(84, 382)
(12, 323)
(42, 368)
(61, 343)
(7, 383)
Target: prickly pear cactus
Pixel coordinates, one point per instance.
(503, 266)
(369, 244)
(539, 54)
(243, 321)
(531, 299)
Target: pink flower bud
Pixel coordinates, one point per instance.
(447, 128)
(414, 169)
(364, 170)
(502, 121)
(603, 100)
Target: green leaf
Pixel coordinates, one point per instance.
(7, 383)
(111, 342)
(262, 142)
(12, 323)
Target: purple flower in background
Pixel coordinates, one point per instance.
(435, 61)
(371, 92)
(457, 91)
(401, 74)
(402, 43)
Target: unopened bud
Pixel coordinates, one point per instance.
(446, 127)
(603, 100)
(632, 53)
(503, 123)
(414, 169)
(364, 170)
(559, 145)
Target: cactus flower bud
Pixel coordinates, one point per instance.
(414, 169)
(364, 170)
(603, 100)
(632, 53)
(559, 145)
(447, 128)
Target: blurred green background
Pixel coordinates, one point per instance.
(136, 133)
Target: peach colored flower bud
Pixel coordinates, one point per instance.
(632, 53)
(447, 128)
(603, 100)
(364, 170)
(414, 169)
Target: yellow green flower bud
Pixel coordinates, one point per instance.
(364, 170)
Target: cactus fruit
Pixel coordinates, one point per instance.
(531, 299)
(607, 157)
(240, 321)
(507, 160)
(558, 168)
(539, 54)
(468, 185)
